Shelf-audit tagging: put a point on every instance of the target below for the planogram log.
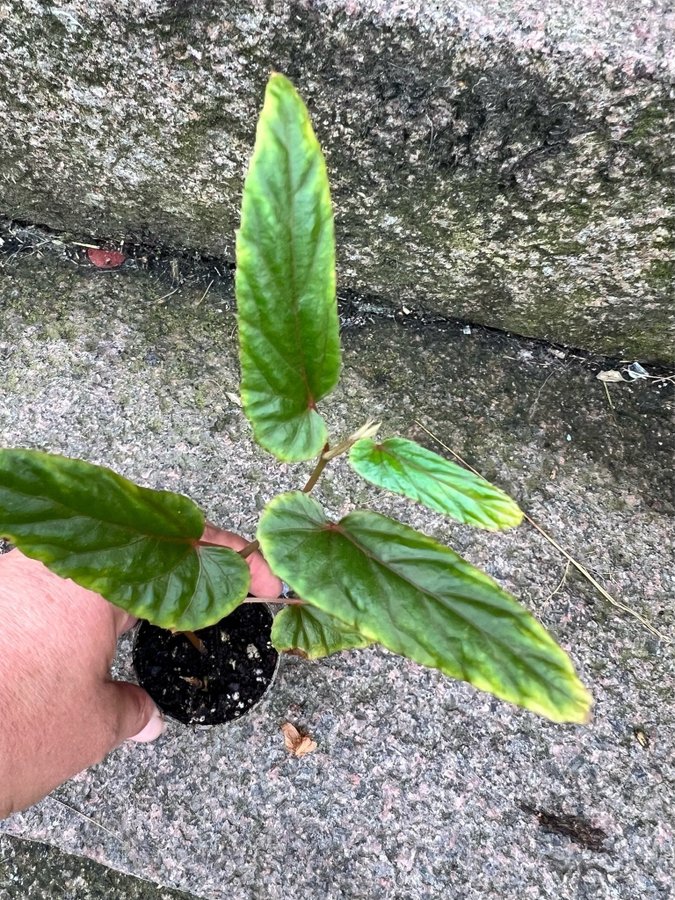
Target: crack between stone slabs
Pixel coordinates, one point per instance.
(179, 266)
(18, 852)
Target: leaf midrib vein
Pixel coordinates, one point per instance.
(100, 520)
(502, 644)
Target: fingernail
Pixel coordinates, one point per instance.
(152, 729)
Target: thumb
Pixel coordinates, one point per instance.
(133, 713)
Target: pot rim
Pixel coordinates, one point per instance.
(203, 726)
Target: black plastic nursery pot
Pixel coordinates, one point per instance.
(209, 688)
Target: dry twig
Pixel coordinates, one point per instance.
(577, 565)
(85, 816)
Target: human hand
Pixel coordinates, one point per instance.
(60, 712)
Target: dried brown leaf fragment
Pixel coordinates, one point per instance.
(297, 743)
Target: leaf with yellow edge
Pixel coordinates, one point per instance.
(403, 590)
(311, 633)
(136, 547)
(285, 284)
(407, 468)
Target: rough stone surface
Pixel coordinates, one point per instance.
(421, 788)
(33, 871)
(507, 162)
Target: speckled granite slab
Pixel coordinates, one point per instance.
(421, 787)
(508, 162)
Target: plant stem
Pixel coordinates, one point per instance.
(250, 548)
(283, 601)
(245, 551)
(196, 642)
(321, 464)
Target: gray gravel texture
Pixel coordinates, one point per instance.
(30, 870)
(509, 163)
(421, 787)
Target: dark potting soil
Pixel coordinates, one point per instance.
(211, 688)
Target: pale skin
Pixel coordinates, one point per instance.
(60, 711)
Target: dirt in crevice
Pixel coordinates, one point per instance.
(177, 267)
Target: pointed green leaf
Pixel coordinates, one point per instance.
(407, 468)
(313, 633)
(403, 590)
(136, 547)
(285, 284)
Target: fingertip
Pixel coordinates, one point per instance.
(264, 584)
(132, 712)
(124, 621)
(155, 726)
(215, 535)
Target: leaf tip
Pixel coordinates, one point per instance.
(513, 516)
(578, 708)
(584, 706)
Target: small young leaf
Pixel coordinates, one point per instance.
(313, 633)
(407, 468)
(403, 590)
(137, 547)
(285, 282)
